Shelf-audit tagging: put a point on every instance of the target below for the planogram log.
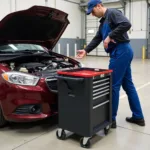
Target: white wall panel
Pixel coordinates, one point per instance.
(74, 28)
(144, 15)
(127, 10)
(113, 5)
(24, 4)
(137, 35)
(13, 4)
(51, 3)
(5, 8)
(138, 14)
(92, 23)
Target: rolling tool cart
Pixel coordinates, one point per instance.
(84, 102)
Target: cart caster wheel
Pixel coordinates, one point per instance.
(61, 135)
(106, 130)
(85, 143)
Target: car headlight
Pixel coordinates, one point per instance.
(20, 78)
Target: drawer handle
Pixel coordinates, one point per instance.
(100, 81)
(100, 104)
(101, 92)
(100, 96)
(100, 85)
(100, 89)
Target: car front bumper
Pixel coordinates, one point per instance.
(28, 103)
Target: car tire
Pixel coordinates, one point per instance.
(3, 122)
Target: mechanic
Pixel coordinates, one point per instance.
(113, 32)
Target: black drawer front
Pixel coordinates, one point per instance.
(100, 115)
(101, 88)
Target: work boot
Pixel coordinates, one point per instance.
(140, 122)
(114, 124)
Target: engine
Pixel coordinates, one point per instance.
(30, 67)
(43, 66)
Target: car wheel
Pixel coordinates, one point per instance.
(2, 119)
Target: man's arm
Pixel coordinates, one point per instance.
(94, 43)
(121, 22)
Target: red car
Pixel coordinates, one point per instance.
(28, 67)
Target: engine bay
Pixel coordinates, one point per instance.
(40, 64)
(34, 67)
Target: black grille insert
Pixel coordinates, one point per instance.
(28, 109)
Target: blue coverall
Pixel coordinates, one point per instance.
(115, 25)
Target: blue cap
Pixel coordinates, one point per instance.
(91, 5)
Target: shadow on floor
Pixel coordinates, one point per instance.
(33, 127)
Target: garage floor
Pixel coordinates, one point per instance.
(42, 135)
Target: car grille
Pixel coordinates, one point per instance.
(28, 109)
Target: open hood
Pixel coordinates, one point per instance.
(37, 25)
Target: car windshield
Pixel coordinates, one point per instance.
(20, 47)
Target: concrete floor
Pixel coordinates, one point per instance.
(42, 135)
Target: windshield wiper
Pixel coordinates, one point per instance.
(27, 51)
(18, 51)
(24, 51)
(3, 51)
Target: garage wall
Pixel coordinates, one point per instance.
(5, 8)
(72, 37)
(21, 4)
(136, 11)
(73, 34)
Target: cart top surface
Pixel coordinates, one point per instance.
(84, 72)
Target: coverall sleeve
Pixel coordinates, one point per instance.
(121, 23)
(94, 43)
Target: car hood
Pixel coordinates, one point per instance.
(36, 25)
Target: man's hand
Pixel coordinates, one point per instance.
(81, 53)
(107, 41)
